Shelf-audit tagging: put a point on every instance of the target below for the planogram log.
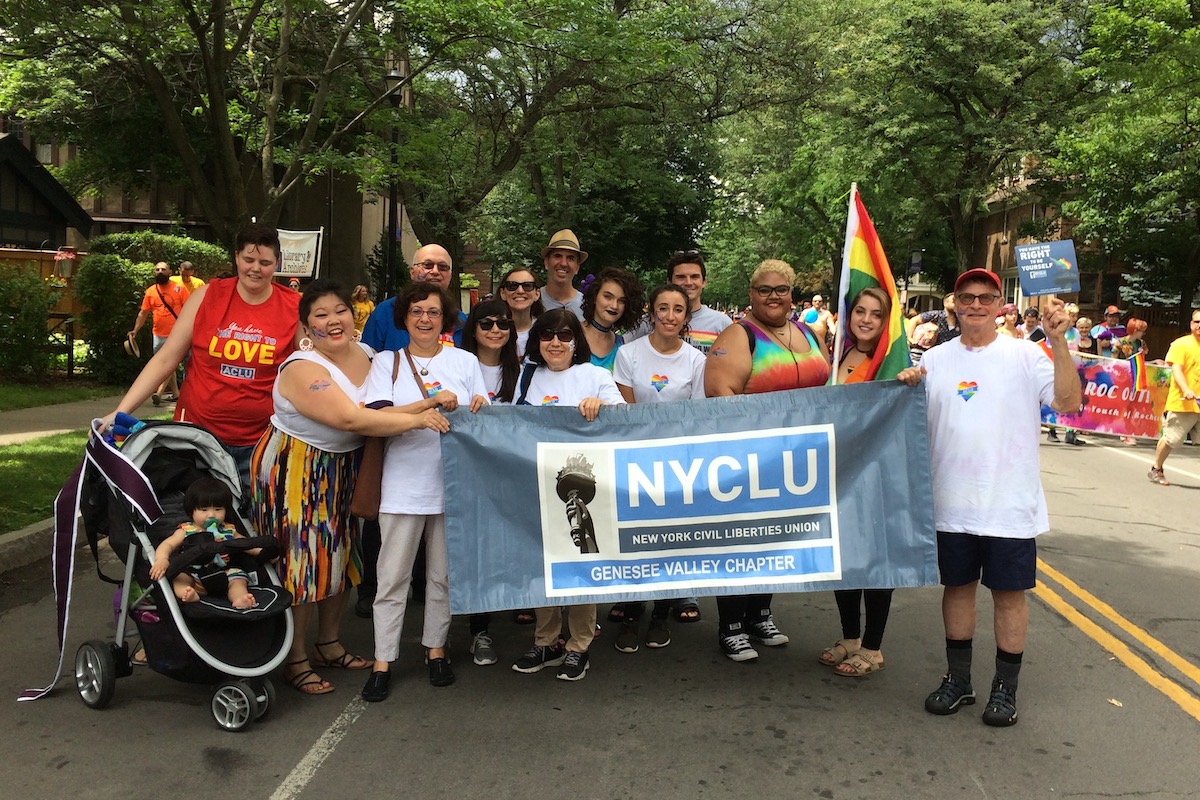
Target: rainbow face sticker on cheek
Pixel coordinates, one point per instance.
(967, 390)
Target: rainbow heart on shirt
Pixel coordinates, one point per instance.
(659, 382)
(433, 388)
(550, 400)
(967, 390)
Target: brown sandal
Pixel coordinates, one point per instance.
(839, 652)
(302, 681)
(859, 665)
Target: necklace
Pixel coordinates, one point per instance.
(425, 367)
(600, 327)
(787, 347)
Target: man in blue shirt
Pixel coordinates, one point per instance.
(431, 264)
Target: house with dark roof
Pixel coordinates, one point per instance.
(35, 210)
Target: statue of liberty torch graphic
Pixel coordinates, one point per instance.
(577, 487)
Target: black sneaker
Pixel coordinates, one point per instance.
(953, 692)
(766, 632)
(538, 658)
(1001, 709)
(1052, 436)
(658, 635)
(574, 666)
(627, 637)
(736, 647)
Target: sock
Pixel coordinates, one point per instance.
(958, 657)
(1008, 666)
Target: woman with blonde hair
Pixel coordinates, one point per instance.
(363, 306)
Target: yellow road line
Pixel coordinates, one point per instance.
(1154, 645)
(1172, 690)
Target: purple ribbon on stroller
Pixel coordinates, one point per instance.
(124, 478)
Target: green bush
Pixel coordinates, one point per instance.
(110, 288)
(208, 259)
(25, 300)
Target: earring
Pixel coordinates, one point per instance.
(306, 344)
(357, 335)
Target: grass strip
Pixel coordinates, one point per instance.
(31, 475)
(33, 395)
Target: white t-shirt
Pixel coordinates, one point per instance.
(984, 426)
(572, 386)
(287, 419)
(574, 305)
(523, 342)
(658, 378)
(412, 463)
(704, 327)
(491, 379)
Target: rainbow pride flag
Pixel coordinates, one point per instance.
(1137, 371)
(864, 264)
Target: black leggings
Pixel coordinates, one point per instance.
(878, 603)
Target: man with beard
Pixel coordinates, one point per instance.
(164, 300)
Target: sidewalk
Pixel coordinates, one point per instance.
(25, 546)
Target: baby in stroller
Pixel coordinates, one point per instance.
(206, 502)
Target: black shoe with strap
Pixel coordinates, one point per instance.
(1001, 708)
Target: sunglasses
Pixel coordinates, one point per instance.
(767, 291)
(967, 298)
(563, 334)
(512, 286)
(685, 254)
(503, 323)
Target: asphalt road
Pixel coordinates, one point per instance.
(1108, 696)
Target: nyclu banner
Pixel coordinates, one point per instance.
(805, 490)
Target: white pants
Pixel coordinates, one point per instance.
(400, 536)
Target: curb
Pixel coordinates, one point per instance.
(25, 546)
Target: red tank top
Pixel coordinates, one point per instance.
(236, 352)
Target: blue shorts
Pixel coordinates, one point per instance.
(1006, 565)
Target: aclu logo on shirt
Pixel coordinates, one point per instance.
(238, 373)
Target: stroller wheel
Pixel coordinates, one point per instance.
(234, 705)
(95, 673)
(265, 698)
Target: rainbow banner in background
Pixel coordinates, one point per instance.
(1113, 402)
(864, 264)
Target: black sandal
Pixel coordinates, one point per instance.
(346, 660)
(301, 680)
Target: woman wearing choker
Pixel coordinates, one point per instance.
(764, 352)
(857, 653)
(613, 302)
(519, 290)
(413, 492)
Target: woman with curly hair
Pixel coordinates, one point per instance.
(612, 302)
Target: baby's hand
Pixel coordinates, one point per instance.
(159, 569)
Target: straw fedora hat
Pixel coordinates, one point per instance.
(565, 240)
(132, 347)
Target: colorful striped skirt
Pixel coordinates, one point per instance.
(302, 497)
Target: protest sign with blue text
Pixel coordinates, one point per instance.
(788, 491)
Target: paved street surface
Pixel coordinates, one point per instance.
(1108, 697)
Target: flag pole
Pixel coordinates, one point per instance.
(843, 287)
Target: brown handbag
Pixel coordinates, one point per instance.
(368, 482)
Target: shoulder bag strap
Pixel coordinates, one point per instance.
(526, 379)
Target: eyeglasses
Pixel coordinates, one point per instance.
(432, 313)
(563, 334)
(966, 298)
(430, 266)
(503, 323)
(685, 254)
(767, 291)
(512, 286)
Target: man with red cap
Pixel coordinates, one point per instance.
(985, 394)
(1108, 331)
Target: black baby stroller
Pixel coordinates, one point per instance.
(207, 641)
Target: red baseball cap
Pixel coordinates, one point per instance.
(1112, 310)
(978, 274)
